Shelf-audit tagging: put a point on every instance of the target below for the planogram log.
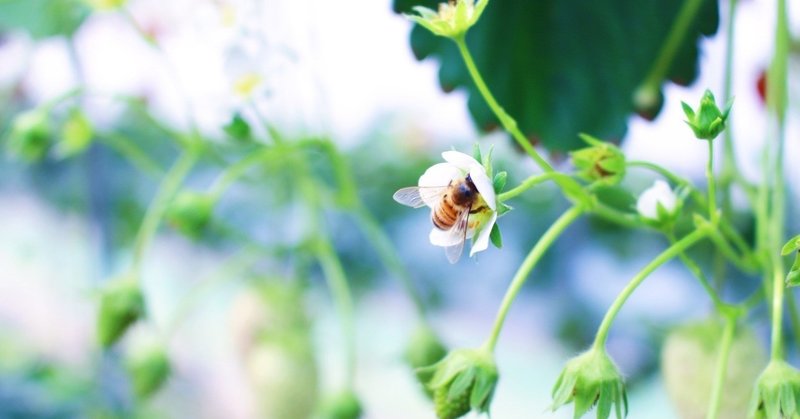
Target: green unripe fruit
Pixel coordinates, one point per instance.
(688, 364)
(149, 369)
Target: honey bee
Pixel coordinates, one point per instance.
(454, 203)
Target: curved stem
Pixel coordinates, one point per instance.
(510, 125)
(524, 270)
(712, 196)
(721, 368)
(135, 155)
(666, 255)
(235, 171)
(155, 212)
(230, 270)
(337, 282)
(529, 183)
(698, 273)
(388, 255)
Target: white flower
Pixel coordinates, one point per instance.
(658, 194)
(453, 19)
(459, 165)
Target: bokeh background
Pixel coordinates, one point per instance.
(343, 71)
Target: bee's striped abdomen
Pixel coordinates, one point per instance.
(445, 214)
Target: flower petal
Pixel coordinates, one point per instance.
(481, 242)
(484, 185)
(463, 161)
(444, 238)
(659, 193)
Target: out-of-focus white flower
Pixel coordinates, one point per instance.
(460, 175)
(658, 195)
(453, 19)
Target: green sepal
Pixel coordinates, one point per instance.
(502, 208)
(496, 237)
(476, 152)
(486, 161)
(499, 181)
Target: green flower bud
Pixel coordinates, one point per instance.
(344, 405)
(424, 350)
(464, 380)
(149, 369)
(31, 136)
(601, 162)
(708, 121)
(453, 19)
(688, 365)
(190, 212)
(591, 379)
(238, 128)
(777, 392)
(121, 304)
(76, 135)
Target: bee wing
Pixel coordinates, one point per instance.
(459, 230)
(416, 197)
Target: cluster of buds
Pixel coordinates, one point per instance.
(708, 120)
(777, 392)
(190, 212)
(602, 162)
(452, 20)
(464, 380)
(591, 379)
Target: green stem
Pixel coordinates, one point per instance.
(730, 170)
(666, 255)
(544, 243)
(776, 341)
(135, 155)
(230, 270)
(509, 124)
(235, 171)
(337, 282)
(712, 196)
(388, 255)
(721, 368)
(155, 212)
(666, 55)
(529, 183)
(698, 273)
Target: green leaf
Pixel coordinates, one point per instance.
(476, 152)
(496, 237)
(560, 67)
(238, 128)
(42, 18)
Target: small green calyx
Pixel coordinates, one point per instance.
(777, 392)
(601, 162)
(121, 304)
(591, 379)
(190, 213)
(793, 245)
(344, 405)
(464, 380)
(708, 121)
(31, 136)
(453, 19)
(76, 135)
(424, 350)
(149, 369)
